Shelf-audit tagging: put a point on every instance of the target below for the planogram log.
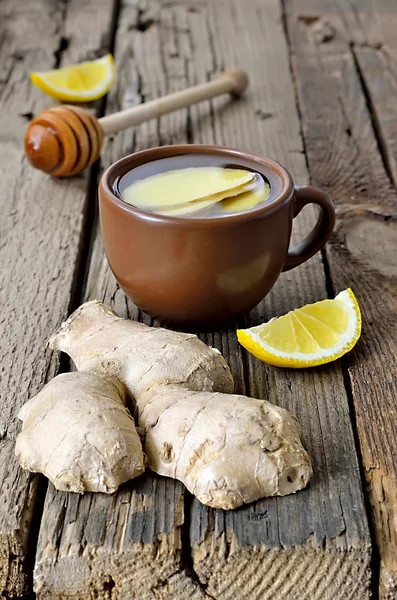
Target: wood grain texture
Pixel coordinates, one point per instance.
(39, 239)
(349, 128)
(378, 71)
(120, 546)
(311, 546)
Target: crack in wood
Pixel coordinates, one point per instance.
(62, 47)
(293, 74)
(63, 41)
(142, 24)
(328, 279)
(187, 551)
(382, 143)
(90, 211)
(27, 115)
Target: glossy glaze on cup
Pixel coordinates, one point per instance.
(204, 271)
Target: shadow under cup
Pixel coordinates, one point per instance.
(205, 271)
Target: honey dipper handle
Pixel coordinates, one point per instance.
(233, 81)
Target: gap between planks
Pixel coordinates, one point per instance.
(90, 215)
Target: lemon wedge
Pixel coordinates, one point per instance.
(78, 83)
(309, 336)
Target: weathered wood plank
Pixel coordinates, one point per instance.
(129, 544)
(378, 69)
(355, 160)
(99, 546)
(40, 231)
(313, 545)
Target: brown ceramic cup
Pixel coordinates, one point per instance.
(203, 271)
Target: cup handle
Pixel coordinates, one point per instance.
(321, 232)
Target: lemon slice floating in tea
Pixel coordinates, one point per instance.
(194, 189)
(78, 83)
(309, 336)
(183, 186)
(239, 202)
(246, 200)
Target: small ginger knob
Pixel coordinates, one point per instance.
(64, 140)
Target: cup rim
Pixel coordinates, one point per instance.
(158, 152)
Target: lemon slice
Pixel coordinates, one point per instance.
(309, 336)
(78, 83)
(247, 200)
(181, 186)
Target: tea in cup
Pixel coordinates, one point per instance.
(199, 234)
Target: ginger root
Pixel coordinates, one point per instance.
(78, 432)
(227, 449)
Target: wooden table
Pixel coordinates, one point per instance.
(323, 102)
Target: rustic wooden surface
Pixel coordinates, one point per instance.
(314, 545)
(41, 226)
(322, 101)
(349, 124)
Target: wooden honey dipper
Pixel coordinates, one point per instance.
(64, 140)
